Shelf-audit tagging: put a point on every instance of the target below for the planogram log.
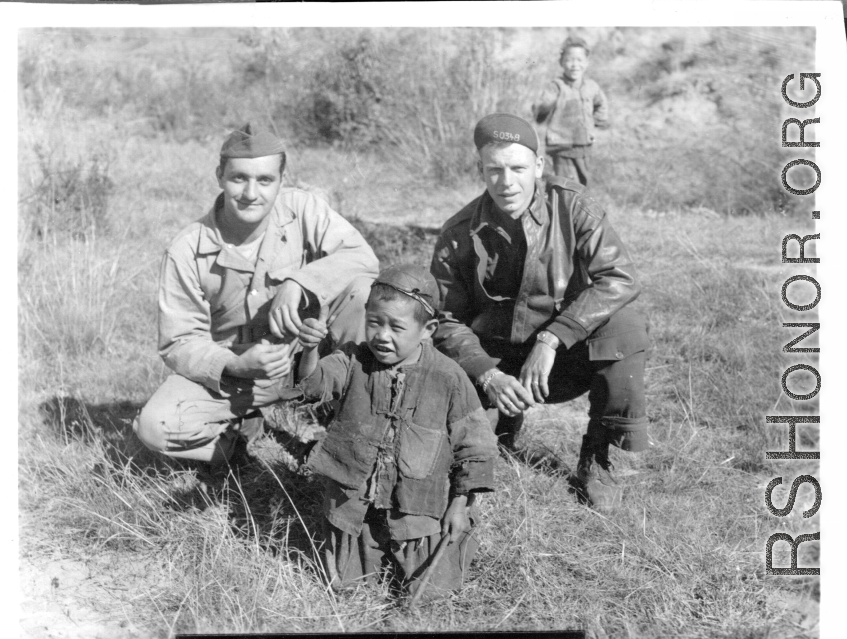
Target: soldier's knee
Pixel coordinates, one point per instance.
(347, 316)
(150, 426)
(351, 300)
(359, 289)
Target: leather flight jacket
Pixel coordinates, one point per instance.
(576, 274)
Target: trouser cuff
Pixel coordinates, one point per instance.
(627, 433)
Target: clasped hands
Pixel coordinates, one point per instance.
(513, 395)
(271, 359)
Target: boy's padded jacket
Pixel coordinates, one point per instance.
(443, 439)
(572, 113)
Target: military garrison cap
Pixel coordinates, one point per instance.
(505, 127)
(413, 282)
(251, 141)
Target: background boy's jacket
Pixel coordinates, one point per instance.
(571, 114)
(442, 435)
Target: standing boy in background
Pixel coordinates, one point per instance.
(409, 447)
(570, 109)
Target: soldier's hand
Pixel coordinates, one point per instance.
(312, 331)
(536, 371)
(262, 361)
(284, 315)
(508, 395)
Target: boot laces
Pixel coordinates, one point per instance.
(601, 456)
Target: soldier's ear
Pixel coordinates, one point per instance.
(479, 170)
(539, 166)
(219, 174)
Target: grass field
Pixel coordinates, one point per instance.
(683, 558)
(118, 543)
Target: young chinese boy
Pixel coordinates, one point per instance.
(408, 448)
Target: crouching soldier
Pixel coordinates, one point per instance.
(535, 287)
(232, 288)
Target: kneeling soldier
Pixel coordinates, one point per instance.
(535, 284)
(232, 288)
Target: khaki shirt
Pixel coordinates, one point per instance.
(211, 297)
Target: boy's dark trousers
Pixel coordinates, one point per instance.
(351, 560)
(575, 169)
(569, 162)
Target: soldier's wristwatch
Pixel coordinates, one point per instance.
(548, 338)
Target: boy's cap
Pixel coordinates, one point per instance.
(251, 141)
(412, 281)
(505, 127)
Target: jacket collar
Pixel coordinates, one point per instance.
(486, 213)
(574, 85)
(210, 234)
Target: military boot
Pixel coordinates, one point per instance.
(240, 457)
(600, 490)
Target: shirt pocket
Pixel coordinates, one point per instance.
(420, 449)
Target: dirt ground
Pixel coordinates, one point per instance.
(64, 597)
(57, 594)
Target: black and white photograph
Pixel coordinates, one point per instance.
(380, 318)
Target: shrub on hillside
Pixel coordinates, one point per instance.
(415, 93)
(696, 123)
(163, 84)
(69, 197)
(693, 110)
(346, 92)
(693, 113)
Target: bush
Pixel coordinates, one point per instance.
(696, 123)
(71, 197)
(71, 298)
(417, 94)
(693, 111)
